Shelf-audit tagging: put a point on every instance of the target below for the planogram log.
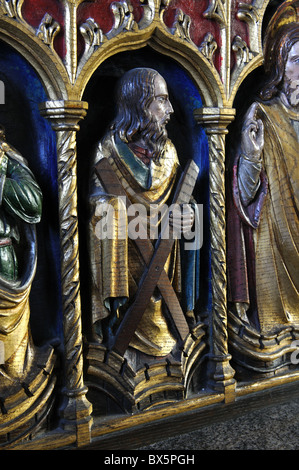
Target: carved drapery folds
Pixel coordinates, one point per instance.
(218, 45)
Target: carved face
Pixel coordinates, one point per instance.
(160, 107)
(291, 77)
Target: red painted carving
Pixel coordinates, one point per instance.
(200, 26)
(100, 10)
(239, 28)
(33, 12)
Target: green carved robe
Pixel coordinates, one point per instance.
(20, 201)
(20, 210)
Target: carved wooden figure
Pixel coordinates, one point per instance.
(25, 371)
(263, 224)
(135, 270)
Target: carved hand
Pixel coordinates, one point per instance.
(182, 220)
(252, 142)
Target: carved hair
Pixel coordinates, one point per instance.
(134, 94)
(276, 55)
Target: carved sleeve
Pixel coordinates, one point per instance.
(248, 178)
(21, 194)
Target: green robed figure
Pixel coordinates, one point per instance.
(20, 210)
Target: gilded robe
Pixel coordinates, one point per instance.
(263, 237)
(116, 264)
(20, 210)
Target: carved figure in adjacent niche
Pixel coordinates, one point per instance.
(135, 274)
(20, 210)
(263, 224)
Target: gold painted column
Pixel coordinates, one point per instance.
(215, 122)
(75, 410)
(71, 39)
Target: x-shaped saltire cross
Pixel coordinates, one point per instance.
(154, 274)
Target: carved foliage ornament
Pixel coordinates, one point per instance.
(12, 8)
(219, 13)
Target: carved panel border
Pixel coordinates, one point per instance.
(65, 78)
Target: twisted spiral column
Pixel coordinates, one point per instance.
(64, 117)
(215, 121)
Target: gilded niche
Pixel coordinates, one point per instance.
(263, 225)
(143, 217)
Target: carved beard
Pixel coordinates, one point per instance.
(291, 89)
(154, 136)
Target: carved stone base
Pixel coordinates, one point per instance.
(258, 354)
(137, 381)
(25, 409)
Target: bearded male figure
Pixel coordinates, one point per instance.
(263, 224)
(146, 164)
